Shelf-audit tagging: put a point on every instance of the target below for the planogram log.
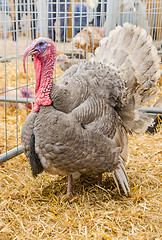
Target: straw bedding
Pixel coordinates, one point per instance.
(38, 208)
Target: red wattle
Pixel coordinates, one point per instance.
(36, 107)
(38, 69)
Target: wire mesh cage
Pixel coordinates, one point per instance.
(76, 27)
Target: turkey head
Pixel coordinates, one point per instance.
(44, 52)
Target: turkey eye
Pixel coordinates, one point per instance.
(41, 44)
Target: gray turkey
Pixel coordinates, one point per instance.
(79, 125)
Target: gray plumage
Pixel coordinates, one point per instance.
(94, 104)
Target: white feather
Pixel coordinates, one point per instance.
(131, 51)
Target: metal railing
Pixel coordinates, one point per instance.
(16, 100)
(19, 149)
(11, 154)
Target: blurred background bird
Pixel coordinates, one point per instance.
(88, 39)
(24, 92)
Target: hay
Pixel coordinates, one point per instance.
(160, 80)
(38, 208)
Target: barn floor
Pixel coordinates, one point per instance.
(38, 208)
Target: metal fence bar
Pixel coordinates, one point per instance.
(11, 153)
(31, 100)
(18, 100)
(18, 150)
(3, 59)
(151, 110)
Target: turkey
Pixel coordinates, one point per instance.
(24, 92)
(65, 63)
(79, 125)
(88, 39)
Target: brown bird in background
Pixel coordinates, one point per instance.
(88, 39)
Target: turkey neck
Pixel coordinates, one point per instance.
(44, 76)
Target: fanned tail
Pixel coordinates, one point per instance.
(131, 52)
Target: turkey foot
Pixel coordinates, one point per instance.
(70, 186)
(99, 179)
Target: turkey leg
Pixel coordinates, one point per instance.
(99, 179)
(70, 186)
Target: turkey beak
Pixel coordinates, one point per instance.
(30, 50)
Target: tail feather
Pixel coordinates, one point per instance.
(121, 179)
(34, 160)
(131, 52)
